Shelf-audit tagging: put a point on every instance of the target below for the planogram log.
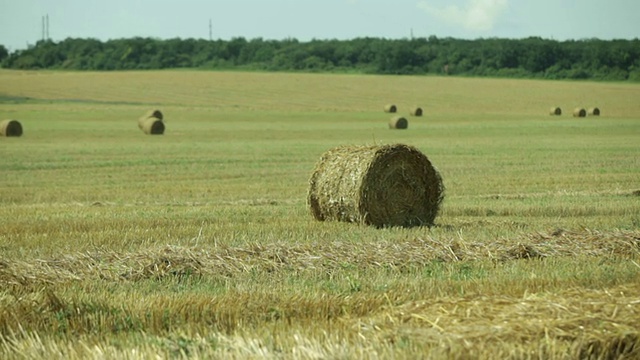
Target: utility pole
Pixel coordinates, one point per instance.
(210, 30)
(45, 27)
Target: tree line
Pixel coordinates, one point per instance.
(533, 57)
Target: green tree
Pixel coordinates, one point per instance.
(4, 53)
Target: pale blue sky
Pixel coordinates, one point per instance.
(21, 20)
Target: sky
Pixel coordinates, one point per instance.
(21, 20)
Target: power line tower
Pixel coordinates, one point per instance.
(45, 28)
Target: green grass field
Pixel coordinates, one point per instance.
(199, 243)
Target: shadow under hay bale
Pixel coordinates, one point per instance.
(398, 122)
(579, 112)
(390, 108)
(383, 186)
(153, 126)
(555, 111)
(416, 111)
(10, 128)
(594, 111)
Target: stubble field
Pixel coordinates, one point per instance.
(199, 243)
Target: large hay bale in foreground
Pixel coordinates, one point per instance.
(390, 108)
(153, 126)
(555, 111)
(398, 122)
(579, 112)
(10, 128)
(416, 111)
(594, 111)
(389, 185)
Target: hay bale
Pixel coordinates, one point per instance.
(415, 111)
(390, 108)
(155, 114)
(398, 122)
(594, 111)
(555, 111)
(10, 128)
(388, 185)
(579, 112)
(152, 126)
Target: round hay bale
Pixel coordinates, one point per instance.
(579, 112)
(10, 128)
(398, 122)
(153, 126)
(156, 114)
(555, 111)
(390, 108)
(382, 186)
(416, 111)
(594, 111)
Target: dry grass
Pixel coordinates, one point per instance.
(226, 261)
(572, 323)
(576, 322)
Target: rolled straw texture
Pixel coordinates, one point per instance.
(152, 126)
(398, 122)
(383, 186)
(10, 128)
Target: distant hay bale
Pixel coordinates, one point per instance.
(156, 114)
(398, 122)
(579, 112)
(416, 111)
(390, 108)
(10, 128)
(555, 111)
(383, 186)
(152, 126)
(594, 111)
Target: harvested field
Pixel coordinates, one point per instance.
(201, 244)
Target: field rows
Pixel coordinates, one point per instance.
(200, 244)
